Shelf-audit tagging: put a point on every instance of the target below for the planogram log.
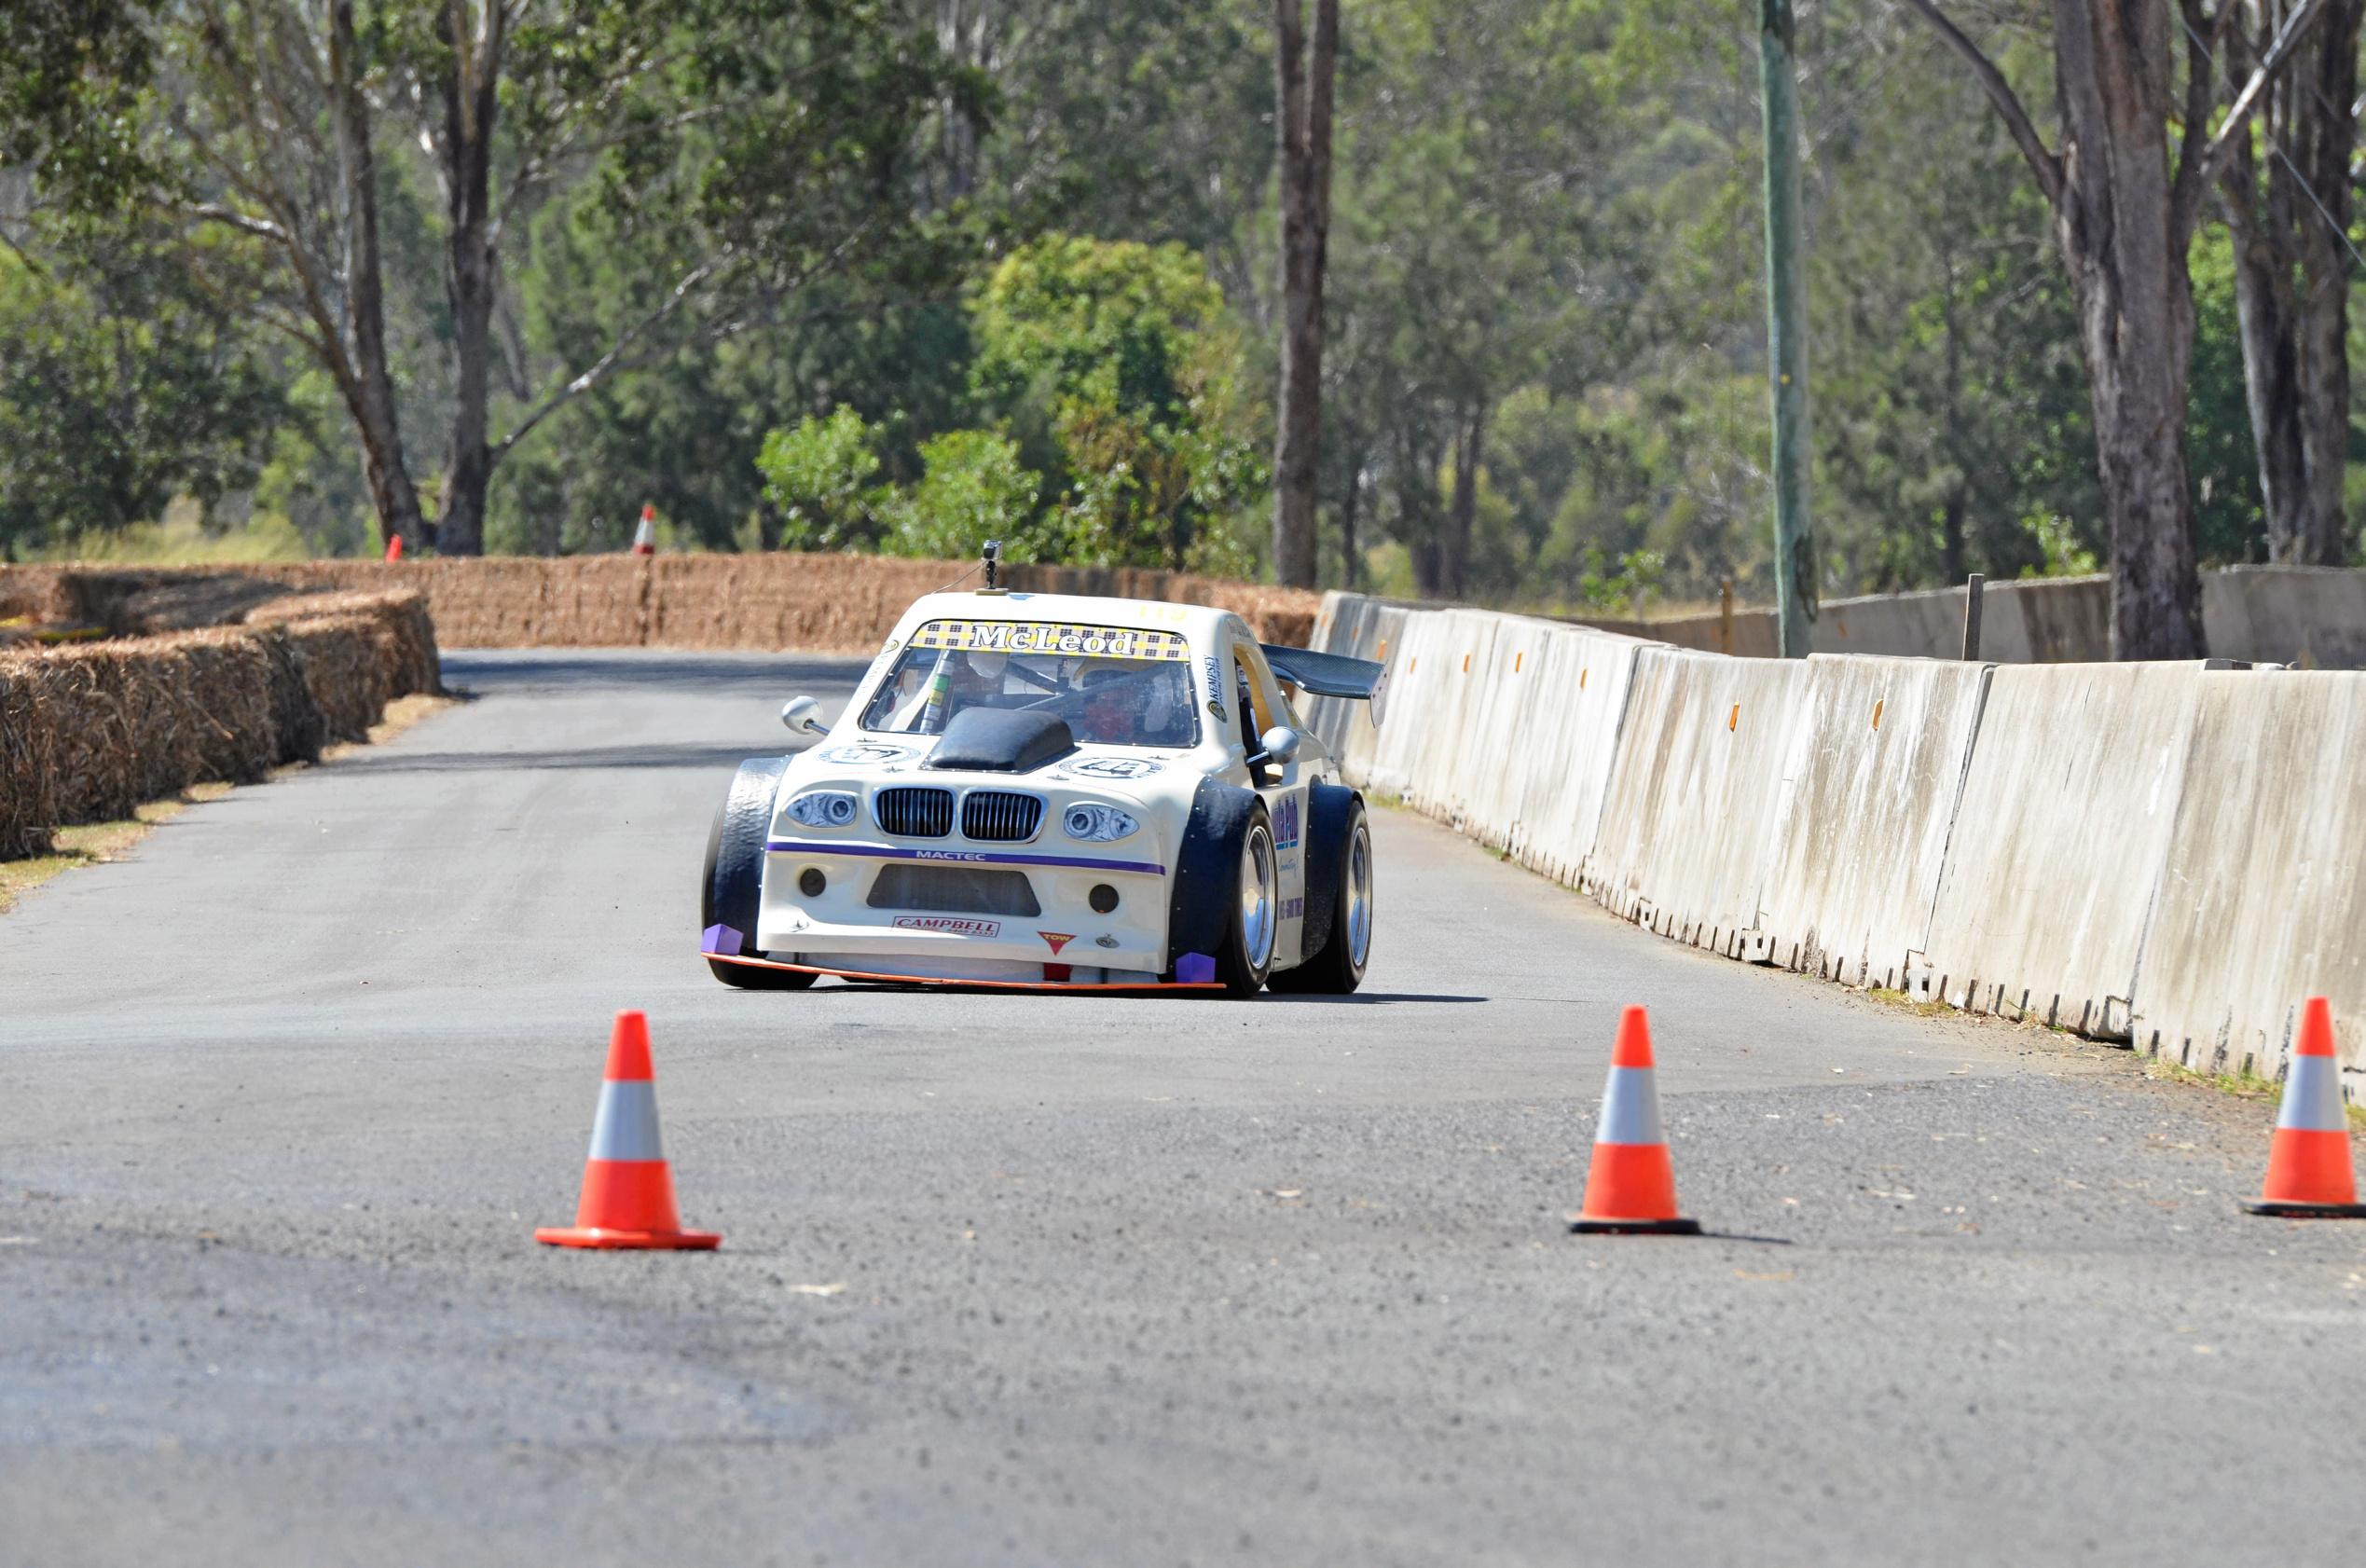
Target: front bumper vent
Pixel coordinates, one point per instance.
(1000, 815)
(941, 889)
(910, 812)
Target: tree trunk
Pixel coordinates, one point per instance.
(370, 390)
(1347, 507)
(1416, 466)
(1952, 561)
(1453, 541)
(472, 274)
(2264, 309)
(2326, 85)
(1303, 136)
(2119, 232)
(2287, 214)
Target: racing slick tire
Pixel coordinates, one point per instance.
(1245, 959)
(1338, 895)
(733, 889)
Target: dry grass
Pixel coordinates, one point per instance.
(94, 844)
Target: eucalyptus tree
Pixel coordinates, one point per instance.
(2138, 151)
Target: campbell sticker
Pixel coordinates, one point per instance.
(951, 925)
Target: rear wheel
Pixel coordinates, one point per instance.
(1339, 967)
(1247, 958)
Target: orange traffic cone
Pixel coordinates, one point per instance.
(2309, 1169)
(645, 535)
(395, 548)
(628, 1190)
(1631, 1187)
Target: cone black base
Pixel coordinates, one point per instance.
(1580, 1225)
(2278, 1209)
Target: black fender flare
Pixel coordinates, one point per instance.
(734, 881)
(1201, 896)
(1330, 807)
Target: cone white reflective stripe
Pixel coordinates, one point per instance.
(2313, 1096)
(626, 1127)
(1630, 1109)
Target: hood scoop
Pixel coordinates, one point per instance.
(1001, 740)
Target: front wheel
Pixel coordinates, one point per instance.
(1247, 958)
(1338, 968)
(732, 890)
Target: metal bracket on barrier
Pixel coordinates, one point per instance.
(1921, 979)
(2119, 1019)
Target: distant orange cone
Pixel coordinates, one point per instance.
(628, 1190)
(1631, 1187)
(2308, 1167)
(645, 534)
(395, 548)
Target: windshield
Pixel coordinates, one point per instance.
(1112, 685)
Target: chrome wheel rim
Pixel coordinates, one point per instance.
(1257, 897)
(1359, 898)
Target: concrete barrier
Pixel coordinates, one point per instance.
(2162, 853)
(1698, 789)
(2262, 900)
(1556, 755)
(1863, 840)
(2314, 616)
(2059, 841)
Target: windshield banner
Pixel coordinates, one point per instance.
(1046, 637)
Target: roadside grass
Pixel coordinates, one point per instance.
(95, 844)
(2241, 1085)
(1889, 997)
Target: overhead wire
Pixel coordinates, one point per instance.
(2277, 147)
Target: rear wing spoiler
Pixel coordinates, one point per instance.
(1330, 675)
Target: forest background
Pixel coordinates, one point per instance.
(901, 275)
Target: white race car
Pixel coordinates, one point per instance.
(1051, 791)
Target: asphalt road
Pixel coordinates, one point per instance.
(1070, 1279)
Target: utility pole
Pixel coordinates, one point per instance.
(1786, 332)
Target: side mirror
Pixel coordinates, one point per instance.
(1278, 744)
(802, 714)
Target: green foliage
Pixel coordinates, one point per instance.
(818, 474)
(974, 489)
(73, 78)
(123, 388)
(1116, 364)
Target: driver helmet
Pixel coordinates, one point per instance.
(1112, 713)
(987, 664)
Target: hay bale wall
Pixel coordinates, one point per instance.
(89, 732)
(811, 603)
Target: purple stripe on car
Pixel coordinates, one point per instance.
(956, 857)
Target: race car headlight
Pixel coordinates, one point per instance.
(1096, 824)
(823, 808)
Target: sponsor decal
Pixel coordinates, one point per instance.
(1052, 637)
(1105, 940)
(1056, 939)
(1110, 767)
(952, 924)
(1285, 820)
(1215, 686)
(866, 754)
(899, 852)
(1293, 909)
